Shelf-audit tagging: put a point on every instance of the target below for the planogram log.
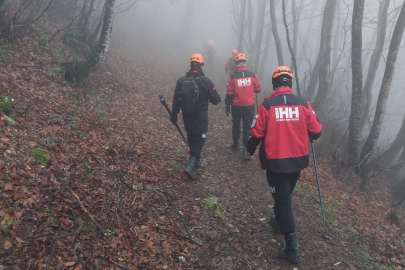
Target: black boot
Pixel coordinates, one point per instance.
(234, 146)
(290, 252)
(244, 153)
(190, 169)
(274, 224)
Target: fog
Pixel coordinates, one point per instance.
(173, 30)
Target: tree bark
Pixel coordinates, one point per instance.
(385, 85)
(259, 35)
(313, 81)
(241, 24)
(375, 60)
(294, 60)
(275, 32)
(395, 148)
(105, 38)
(357, 83)
(89, 17)
(325, 54)
(266, 53)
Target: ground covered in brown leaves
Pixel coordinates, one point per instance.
(113, 196)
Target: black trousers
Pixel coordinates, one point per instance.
(246, 114)
(281, 186)
(196, 143)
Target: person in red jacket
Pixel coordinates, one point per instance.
(282, 126)
(230, 66)
(240, 94)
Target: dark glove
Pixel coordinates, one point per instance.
(227, 110)
(173, 118)
(250, 150)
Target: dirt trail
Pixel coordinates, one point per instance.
(241, 237)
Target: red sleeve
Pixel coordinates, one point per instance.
(259, 126)
(313, 125)
(230, 89)
(257, 85)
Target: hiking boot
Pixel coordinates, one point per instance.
(234, 146)
(244, 153)
(290, 252)
(274, 224)
(190, 169)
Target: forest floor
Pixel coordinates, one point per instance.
(110, 192)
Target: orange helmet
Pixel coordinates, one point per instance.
(240, 57)
(282, 70)
(197, 58)
(234, 51)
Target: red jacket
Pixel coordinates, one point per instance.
(230, 66)
(242, 86)
(283, 123)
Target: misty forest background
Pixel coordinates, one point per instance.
(348, 59)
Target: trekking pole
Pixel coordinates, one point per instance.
(163, 101)
(319, 190)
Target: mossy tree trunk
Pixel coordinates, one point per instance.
(357, 82)
(385, 85)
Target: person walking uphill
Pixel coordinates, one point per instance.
(240, 94)
(230, 66)
(191, 95)
(282, 125)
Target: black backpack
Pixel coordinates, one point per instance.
(190, 95)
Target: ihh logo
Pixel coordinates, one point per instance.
(287, 114)
(244, 82)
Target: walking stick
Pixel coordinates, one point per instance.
(319, 190)
(163, 101)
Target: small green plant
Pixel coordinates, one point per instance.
(6, 104)
(18, 203)
(6, 177)
(149, 119)
(55, 118)
(101, 113)
(41, 156)
(72, 127)
(87, 165)
(55, 71)
(50, 140)
(212, 203)
(6, 228)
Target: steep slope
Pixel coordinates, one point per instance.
(113, 194)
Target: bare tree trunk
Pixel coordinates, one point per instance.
(275, 32)
(266, 53)
(357, 83)
(385, 85)
(395, 148)
(375, 59)
(294, 60)
(105, 38)
(241, 24)
(296, 16)
(313, 81)
(324, 54)
(89, 17)
(259, 35)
